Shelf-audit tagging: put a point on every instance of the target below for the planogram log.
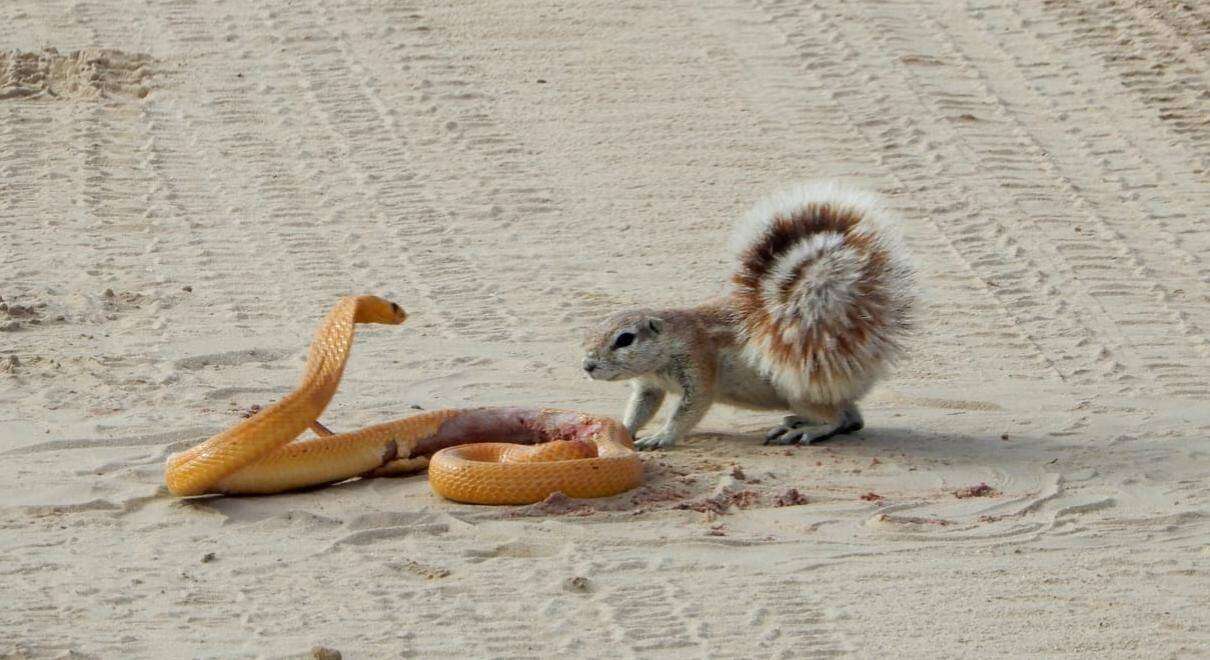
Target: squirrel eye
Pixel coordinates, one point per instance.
(625, 339)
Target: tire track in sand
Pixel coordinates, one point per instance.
(434, 232)
(778, 616)
(669, 614)
(1168, 76)
(1144, 261)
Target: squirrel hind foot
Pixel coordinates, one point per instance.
(795, 429)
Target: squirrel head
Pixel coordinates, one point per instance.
(626, 345)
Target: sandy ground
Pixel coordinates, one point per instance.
(177, 214)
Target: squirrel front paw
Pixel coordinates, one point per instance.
(657, 441)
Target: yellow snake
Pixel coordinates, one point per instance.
(577, 454)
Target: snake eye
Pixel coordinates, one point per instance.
(625, 339)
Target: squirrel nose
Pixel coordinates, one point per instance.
(590, 366)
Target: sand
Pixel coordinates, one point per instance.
(178, 211)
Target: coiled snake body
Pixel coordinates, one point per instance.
(577, 454)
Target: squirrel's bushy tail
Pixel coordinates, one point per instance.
(823, 290)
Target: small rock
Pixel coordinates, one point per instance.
(541, 81)
(324, 653)
(187, 289)
(208, 557)
(737, 473)
(577, 584)
(108, 293)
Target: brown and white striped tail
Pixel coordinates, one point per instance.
(823, 290)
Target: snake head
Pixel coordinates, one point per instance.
(372, 309)
(397, 315)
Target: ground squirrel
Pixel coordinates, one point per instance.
(816, 311)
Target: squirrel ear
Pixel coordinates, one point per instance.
(655, 324)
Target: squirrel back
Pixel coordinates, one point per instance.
(823, 291)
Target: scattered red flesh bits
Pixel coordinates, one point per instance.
(790, 498)
(745, 498)
(981, 490)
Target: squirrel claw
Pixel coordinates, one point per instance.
(788, 436)
(775, 434)
(657, 441)
(789, 432)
